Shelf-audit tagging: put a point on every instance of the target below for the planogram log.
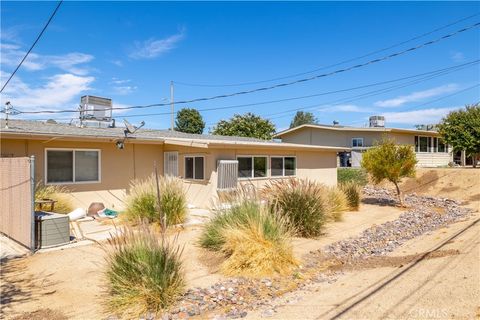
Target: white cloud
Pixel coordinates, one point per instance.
(345, 108)
(61, 91)
(153, 48)
(122, 87)
(71, 62)
(118, 63)
(417, 96)
(458, 56)
(424, 116)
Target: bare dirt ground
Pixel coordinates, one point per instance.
(454, 183)
(409, 284)
(70, 280)
(70, 284)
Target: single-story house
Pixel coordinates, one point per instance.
(429, 147)
(98, 164)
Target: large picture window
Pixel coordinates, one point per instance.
(195, 168)
(252, 167)
(72, 166)
(283, 166)
(421, 144)
(441, 146)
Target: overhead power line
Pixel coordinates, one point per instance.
(281, 84)
(405, 109)
(33, 45)
(332, 65)
(418, 78)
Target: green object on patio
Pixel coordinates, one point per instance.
(110, 212)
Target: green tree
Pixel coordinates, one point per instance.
(302, 117)
(461, 130)
(389, 161)
(189, 121)
(246, 125)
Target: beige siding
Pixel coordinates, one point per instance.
(318, 166)
(118, 167)
(432, 159)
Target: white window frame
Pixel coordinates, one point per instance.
(99, 151)
(357, 139)
(185, 166)
(438, 144)
(429, 147)
(267, 173)
(283, 166)
(165, 157)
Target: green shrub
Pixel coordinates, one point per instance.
(303, 202)
(352, 174)
(64, 204)
(144, 272)
(142, 200)
(336, 203)
(255, 241)
(353, 192)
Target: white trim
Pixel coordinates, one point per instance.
(99, 164)
(267, 173)
(357, 146)
(283, 166)
(185, 166)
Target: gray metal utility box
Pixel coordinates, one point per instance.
(51, 229)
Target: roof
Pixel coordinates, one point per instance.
(39, 129)
(347, 128)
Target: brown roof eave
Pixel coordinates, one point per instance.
(89, 138)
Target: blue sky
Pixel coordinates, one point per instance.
(130, 51)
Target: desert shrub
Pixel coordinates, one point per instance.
(255, 241)
(303, 202)
(142, 200)
(352, 191)
(238, 214)
(336, 203)
(144, 272)
(352, 174)
(54, 192)
(259, 247)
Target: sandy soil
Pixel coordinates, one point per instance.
(70, 279)
(440, 286)
(454, 183)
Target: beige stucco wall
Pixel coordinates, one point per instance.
(318, 166)
(338, 138)
(119, 167)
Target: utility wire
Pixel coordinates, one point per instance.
(425, 76)
(406, 109)
(33, 45)
(431, 75)
(281, 84)
(332, 65)
(438, 72)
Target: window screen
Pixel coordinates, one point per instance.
(276, 166)
(244, 167)
(59, 166)
(86, 166)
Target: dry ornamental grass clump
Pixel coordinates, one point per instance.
(353, 192)
(144, 272)
(142, 200)
(302, 202)
(63, 202)
(254, 241)
(336, 203)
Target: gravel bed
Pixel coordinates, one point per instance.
(233, 298)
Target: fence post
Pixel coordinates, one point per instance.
(32, 191)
